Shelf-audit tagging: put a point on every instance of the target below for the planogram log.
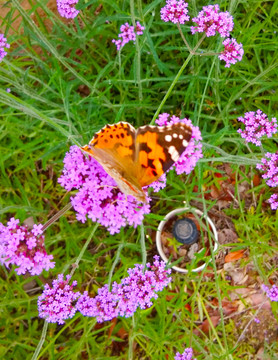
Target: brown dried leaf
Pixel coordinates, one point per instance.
(205, 327)
(233, 256)
(256, 180)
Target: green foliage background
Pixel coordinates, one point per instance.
(67, 81)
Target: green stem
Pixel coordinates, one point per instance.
(42, 339)
(143, 246)
(115, 262)
(56, 216)
(184, 39)
(176, 79)
(137, 63)
(76, 263)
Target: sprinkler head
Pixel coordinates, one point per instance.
(185, 231)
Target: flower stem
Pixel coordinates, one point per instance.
(184, 39)
(56, 216)
(176, 79)
(42, 339)
(143, 245)
(115, 262)
(76, 263)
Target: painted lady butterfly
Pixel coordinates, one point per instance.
(136, 158)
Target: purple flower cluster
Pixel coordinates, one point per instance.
(273, 201)
(66, 8)
(57, 304)
(60, 302)
(128, 33)
(3, 44)
(98, 196)
(257, 125)
(24, 248)
(271, 293)
(210, 21)
(232, 53)
(175, 11)
(269, 165)
(193, 152)
(134, 291)
(186, 355)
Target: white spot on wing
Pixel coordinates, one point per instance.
(184, 143)
(168, 138)
(175, 135)
(174, 154)
(180, 136)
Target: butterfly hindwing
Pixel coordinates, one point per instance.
(158, 147)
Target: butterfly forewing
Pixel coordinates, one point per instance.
(118, 138)
(158, 147)
(114, 148)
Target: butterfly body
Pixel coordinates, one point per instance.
(135, 158)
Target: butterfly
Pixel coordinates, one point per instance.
(135, 158)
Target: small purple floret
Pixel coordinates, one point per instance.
(211, 21)
(271, 293)
(257, 125)
(3, 44)
(24, 248)
(269, 165)
(57, 303)
(66, 8)
(273, 201)
(175, 11)
(128, 33)
(232, 53)
(186, 355)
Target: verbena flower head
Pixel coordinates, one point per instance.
(232, 53)
(57, 303)
(186, 355)
(134, 291)
(24, 248)
(66, 8)
(98, 196)
(271, 293)
(128, 33)
(269, 165)
(3, 45)
(257, 125)
(211, 21)
(273, 201)
(193, 152)
(175, 11)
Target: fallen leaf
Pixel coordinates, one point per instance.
(205, 327)
(256, 180)
(233, 256)
(226, 236)
(113, 324)
(122, 333)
